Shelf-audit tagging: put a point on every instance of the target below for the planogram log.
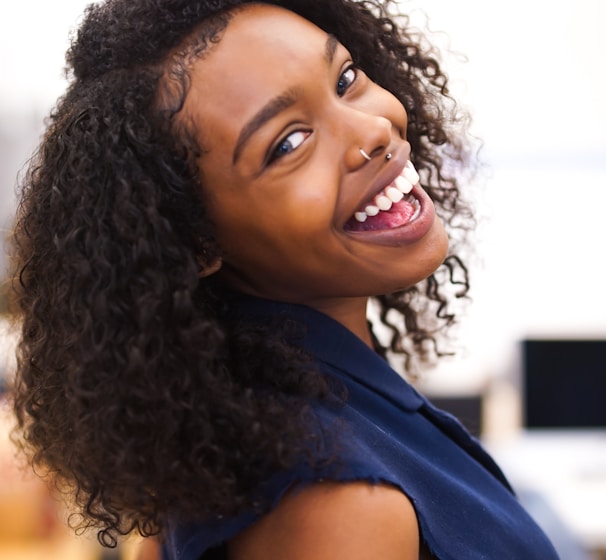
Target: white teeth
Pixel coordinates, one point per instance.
(383, 202)
(394, 194)
(371, 210)
(411, 174)
(403, 185)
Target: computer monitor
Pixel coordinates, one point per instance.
(564, 383)
(467, 409)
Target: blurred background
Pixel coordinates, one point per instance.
(531, 375)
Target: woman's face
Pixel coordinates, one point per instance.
(282, 113)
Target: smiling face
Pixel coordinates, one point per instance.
(282, 114)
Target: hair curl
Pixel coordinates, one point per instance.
(128, 387)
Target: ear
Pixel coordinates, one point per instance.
(208, 269)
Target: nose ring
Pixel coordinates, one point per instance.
(388, 156)
(365, 155)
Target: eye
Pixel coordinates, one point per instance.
(346, 80)
(289, 144)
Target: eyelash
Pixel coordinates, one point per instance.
(342, 86)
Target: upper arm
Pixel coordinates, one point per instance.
(334, 521)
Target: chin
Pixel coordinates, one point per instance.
(430, 263)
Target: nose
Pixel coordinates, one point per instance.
(366, 136)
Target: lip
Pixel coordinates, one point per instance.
(408, 233)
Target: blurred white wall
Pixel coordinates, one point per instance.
(534, 81)
(33, 38)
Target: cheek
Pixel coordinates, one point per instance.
(244, 224)
(297, 206)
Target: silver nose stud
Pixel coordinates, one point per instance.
(388, 156)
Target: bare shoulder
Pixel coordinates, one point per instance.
(334, 521)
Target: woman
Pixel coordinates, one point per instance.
(220, 192)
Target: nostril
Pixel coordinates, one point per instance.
(377, 151)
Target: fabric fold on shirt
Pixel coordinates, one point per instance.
(386, 432)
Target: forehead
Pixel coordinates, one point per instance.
(264, 51)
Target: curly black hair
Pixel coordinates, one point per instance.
(135, 378)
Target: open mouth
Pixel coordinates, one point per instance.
(393, 207)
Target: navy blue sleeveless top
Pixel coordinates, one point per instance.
(391, 434)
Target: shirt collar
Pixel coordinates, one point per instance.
(335, 345)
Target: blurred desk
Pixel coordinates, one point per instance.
(568, 468)
(68, 548)
(32, 522)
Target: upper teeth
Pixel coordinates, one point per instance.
(393, 193)
(411, 173)
(403, 184)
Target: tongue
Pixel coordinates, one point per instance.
(399, 214)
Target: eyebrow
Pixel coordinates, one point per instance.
(331, 47)
(276, 105)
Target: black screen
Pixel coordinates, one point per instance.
(564, 383)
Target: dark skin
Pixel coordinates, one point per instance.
(290, 183)
(329, 521)
(291, 188)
